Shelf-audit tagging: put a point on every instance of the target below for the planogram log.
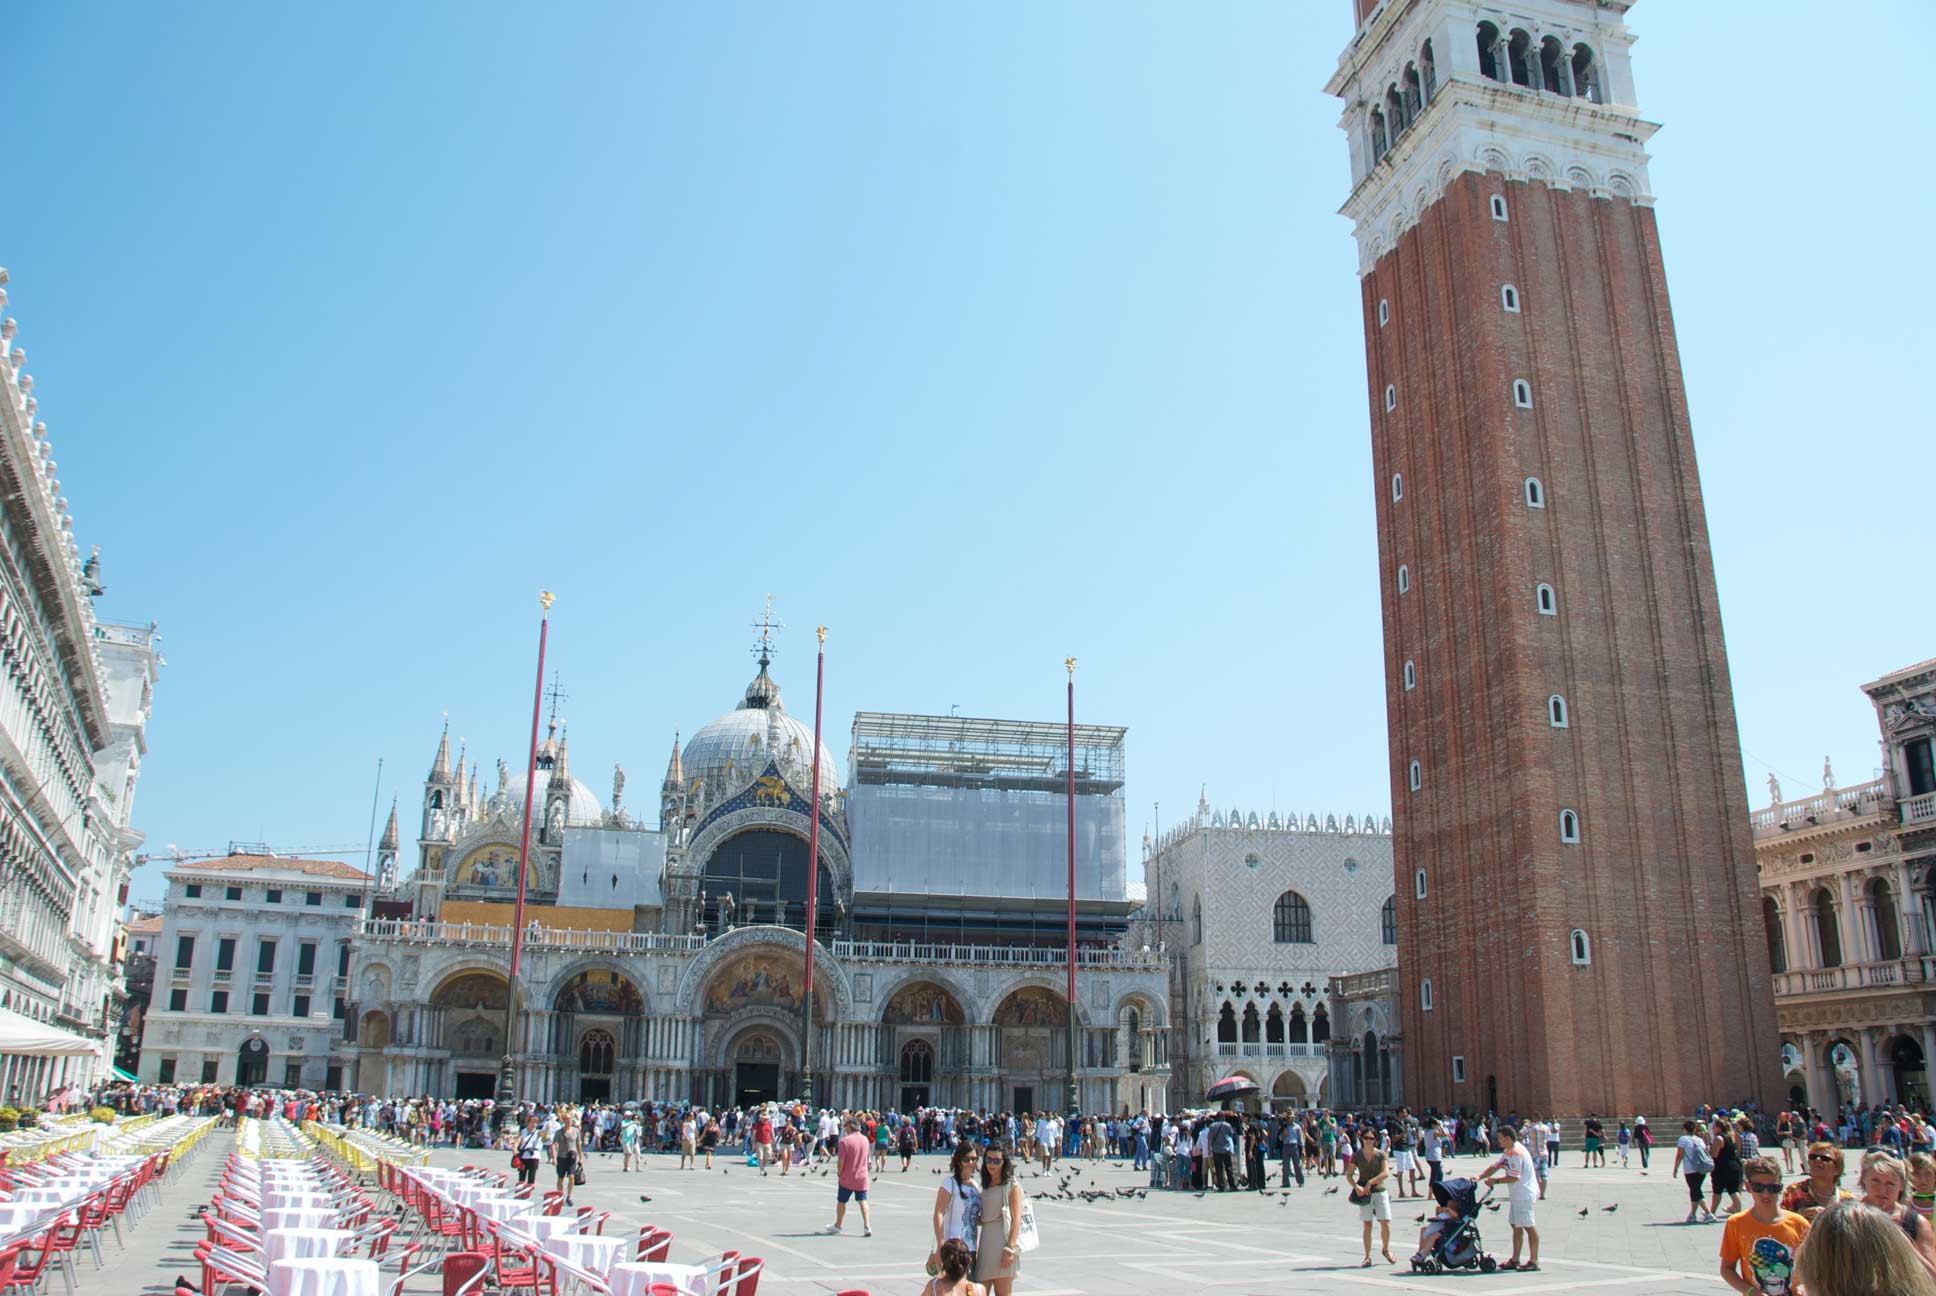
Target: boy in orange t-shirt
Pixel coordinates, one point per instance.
(1759, 1246)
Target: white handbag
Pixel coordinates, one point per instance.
(1027, 1236)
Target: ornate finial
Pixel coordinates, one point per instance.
(546, 599)
(554, 695)
(821, 632)
(1070, 663)
(766, 625)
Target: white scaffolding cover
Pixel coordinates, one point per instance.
(913, 840)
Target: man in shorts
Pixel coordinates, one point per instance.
(1369, 1175)
(1591, 1154)
(852, 1153)
(1514, 1168)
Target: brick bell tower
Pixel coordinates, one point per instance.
(1579, 929)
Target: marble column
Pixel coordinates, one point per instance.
(1870, 1068)
(1846, 925)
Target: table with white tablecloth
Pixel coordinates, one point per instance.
(594, 1254)
(16, 1216)
(285, 1199)
(304, 1244)
(323, 1277)
(501, 1208)
(541, 1227)
(635, 1278)
(298, 1219)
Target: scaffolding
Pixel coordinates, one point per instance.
(968, 752)
(958, 807)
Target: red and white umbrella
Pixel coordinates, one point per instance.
(1234, 1086)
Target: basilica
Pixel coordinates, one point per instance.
(667, 962)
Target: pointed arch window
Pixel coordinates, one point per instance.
(1291, 920)
(1320, 1025)
(1404, 578)
(1415, 776)
(1196, 920)
(1300, 1030)
(1274, 1026)
(1388, 921)
(1556, 711)
(1391, 396)
(1226, 1025)
(1398, 487)
(1582, 947)
(1570, 827)
(1253, 1025)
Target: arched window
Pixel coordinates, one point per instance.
(1378, 142)
(1226, 1025)
(917, 1062)
(1395, 114)
(1320, 1025)
(1196, 921)
(1771, 924)
(1827, 935)
(1556, 711)
(1291, 920)
(1411, 676)
(1388, 921)
(1428, 72)
(1586, 75)
(1555, 69)
(1519, 57)
(1398, 487)
(595, 1052)
(1414, 93)
(1535, 493)
(1489, 53)
(1509, 297)
(1498, 207)
(1391, 396)
(1384, 312)
(1252, 1025)
(1404, 578)
(1300, 1030)
(1425, 994)
(1569, 826)
(1274, 1026)
(1548, 604)
(1416, 776)
(1888, 927)
(1522, 393)
(1418, 884)
(1582, 947)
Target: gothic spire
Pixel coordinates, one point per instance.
(440, 768)
(675, 772)
(389, 842)
(561, 765)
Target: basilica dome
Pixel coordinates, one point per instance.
(736, 748)
(583, 808)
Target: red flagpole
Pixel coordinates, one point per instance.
(1075, 1097)
(507, 1078)
(813, 868)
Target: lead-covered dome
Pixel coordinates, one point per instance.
(736, 748)
(583, 807)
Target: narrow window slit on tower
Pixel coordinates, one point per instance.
(1509, 298)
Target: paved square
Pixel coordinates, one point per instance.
(1302, 1240)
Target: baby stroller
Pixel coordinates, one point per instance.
(1458, 1245)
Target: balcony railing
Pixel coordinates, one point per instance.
(1808, 812)
(1270, 1050)
(1920, 809)
(417, 931)
(424, 932)
(1855, 976)
(221, 976)
(998, 955)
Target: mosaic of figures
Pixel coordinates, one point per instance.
(600, 991)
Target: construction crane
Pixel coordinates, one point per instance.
(176, 855)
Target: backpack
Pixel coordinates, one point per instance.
(1697, 1159)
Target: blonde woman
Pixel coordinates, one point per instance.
(1885, 1186)
(1855, 1250)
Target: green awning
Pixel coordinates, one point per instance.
(119, 1074)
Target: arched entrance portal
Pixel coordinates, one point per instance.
(1912, 1080)
(1288, 1091)
(597, 1051)
(252, 1062)
(1032, 1048)
(372, 1038)
(757, 1060)
(471, 1016)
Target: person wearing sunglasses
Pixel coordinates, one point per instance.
(1759, 1244)
(1822, 1188)
(957, 1204)
(998, 1260)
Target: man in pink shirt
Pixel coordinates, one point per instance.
(853, 1153)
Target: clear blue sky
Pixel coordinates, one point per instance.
(983, 334)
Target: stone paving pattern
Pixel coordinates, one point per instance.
(1303, 1240)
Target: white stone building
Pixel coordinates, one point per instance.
(251, 972)
(73, 713)
(1258, 914)
(668, 963)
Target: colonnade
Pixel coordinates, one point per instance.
(1876, 1079)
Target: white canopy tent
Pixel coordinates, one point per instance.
(21, 1035)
